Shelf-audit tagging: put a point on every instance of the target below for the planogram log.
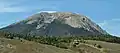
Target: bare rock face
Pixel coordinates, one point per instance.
(57, 23)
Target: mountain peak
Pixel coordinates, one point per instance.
(56, 23)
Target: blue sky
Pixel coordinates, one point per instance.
(106, 13)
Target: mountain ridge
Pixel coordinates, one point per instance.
(56, 23)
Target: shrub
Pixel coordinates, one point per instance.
(61, 46)
(65, 47)
(74, 45)
(99, 46)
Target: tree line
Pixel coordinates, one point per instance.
(59, 41)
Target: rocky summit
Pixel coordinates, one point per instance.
(56, 24)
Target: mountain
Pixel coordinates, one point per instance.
(56, 24)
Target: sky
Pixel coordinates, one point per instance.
(105, 13)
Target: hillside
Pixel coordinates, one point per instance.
(23, 46)
(17, 43)
(56, 24)
(109, 47)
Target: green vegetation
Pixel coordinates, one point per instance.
(71, 42)
(61, 41)
(98, 46)
(16, 46)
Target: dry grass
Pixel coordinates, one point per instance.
(16, 46)
(23, 46)
(108, 47)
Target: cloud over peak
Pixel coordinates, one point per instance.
(48, 11)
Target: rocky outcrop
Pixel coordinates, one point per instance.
(57, 23)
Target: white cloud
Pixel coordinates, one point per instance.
(6, 6)
(108, 22)
(49, 11)
(18, 6)
(12, 9)
(103, 23)
(111, 26)
(118, 19)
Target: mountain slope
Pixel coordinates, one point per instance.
(57, 23)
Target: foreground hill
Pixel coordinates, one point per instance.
(57, 23)
(108, 47)
(23, 46)
(17, 43)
